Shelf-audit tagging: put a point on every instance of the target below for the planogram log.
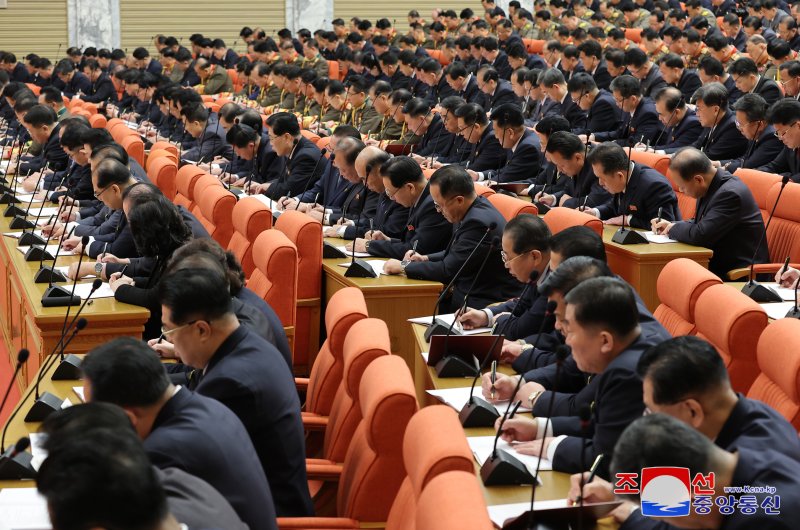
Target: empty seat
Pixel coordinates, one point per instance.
(216, 213)
(658, 162)
(162, 171)
(680, 284)
(185, 182)
(778, 384)
(250, 218)
(205, 181)
(134, 146)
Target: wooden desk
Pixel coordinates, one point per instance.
(393, 299)
(26, 324)
(640, 265)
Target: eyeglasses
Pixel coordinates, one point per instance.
(99, 193)
(165, 332)
(439, 207)
(505, 259)
(780, 135)
(393, 193)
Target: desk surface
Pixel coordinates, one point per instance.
(660, 250)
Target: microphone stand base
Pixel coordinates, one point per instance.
(57, 296)
(478, 413)
(626, 236)
(759, 293)
(360, 269)
(68, 370)
(541, 208)
(43, 407)
(8, 198)
(453, 366)
(18, 467)
(19, 222)
(29, 239)
(48, 275)
(438, 328)
(502, 469)
(37, 254)
(14, 211)
(793, 313)
(329, 251)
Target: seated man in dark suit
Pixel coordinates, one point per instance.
(591, 54)
(639, 120)
(784, 116)
(681, 126)
(549, 179)
(603, 114)
(463, 82)
(568, 153)
(745, 74)
(675, 73)
(74, 81)
(42, 124)
(496, 90)
(598, 307)
(639, 193)
(485, 152)
(648, 74)
(764, 146)
(728, 220)
(427, 231)
(181, 429)
(92, 445)
(429, 126)
(244, 372)
(102, 90)
(720, 139)
(521, 147)
(299, 159)
(359, 201)
(476, 222)
(201, 124)
(554, 85)
(495, 58)
(525, 252)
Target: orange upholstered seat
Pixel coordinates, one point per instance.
(98, 121)
(162, 171)
(557, 219)
(250, 218)
(203, 183)
(658, 162)
(167, 146)
(275, 276)
(480, 189)
(510, 207)
(759, 183)
(778, 384)
(134, 146)
(680, 284)
(185, 181)
(732, 322)
(453, 501)
(306, 234)
(216, 212)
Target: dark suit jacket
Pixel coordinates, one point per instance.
(549, 180)
(503, 93)
(78, 83)
(195, 503)
(521, 163)
(52, 155)
(248, 375)
(729, 222)
(301, 165)
(643, 125)
(528, 315)
(442, 90)
(544, 108)
(601, 76)
(500, 64)
(765, 149)
(274, 332)
(211, 143)
(584, 185)
(685, 133)
(390, 218)
(102, 90)
(786, 163)
(725, 142)
(424, 226)
(471, 93)
(688, 84)
(604, 115)
(20, 74)
(436, 139)
(118, 241)
(493, 284)
(647, 191)
(201, 436)
(572, 112)
(740, 40)
(399, 80)
(768, 89)
(327, 189)
(356, 204)
(487, 153)
(652, 83)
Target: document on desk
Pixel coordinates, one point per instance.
(79, 392)
(777, 311)
(17, 235)
(447, 319)
(358, 254)
(37, 449)
(376, 264)
(652, 237)
(23, 509)
(458, 397)
(44, 211)
(503, 512)
(52, 249)
(83, 290)
(266, 200)
(482, 447)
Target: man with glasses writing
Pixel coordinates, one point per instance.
(476, 223)
(784, 117)
(751, 120)
(639, 120)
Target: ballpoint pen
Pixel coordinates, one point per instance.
(414, 247)
(590, 478)
(370, 225)
(658, 217)
(494, 376)
(514, 410)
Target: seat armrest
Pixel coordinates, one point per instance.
(301, 383)
(317, 523)
(324, 470)
(314, 422)
(760, 268)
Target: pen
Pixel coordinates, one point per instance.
(514, 410)
(590, 478)
(660, 211)
(315, 200)
(105, 247)
(122, 272)
(414, 247)
(785, 266)
(370, 225)
(494, 376)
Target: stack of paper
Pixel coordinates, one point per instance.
(458, 397)
(778, 310)
(448, 319)
(350, 252)
(23, 509)
(652, 237)
(483, 446)
(37, 449)
(783, 292)
(83, 290)
(79, 392)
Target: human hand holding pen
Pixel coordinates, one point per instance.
(592, 472)
(494, 376)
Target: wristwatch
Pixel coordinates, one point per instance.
(98, 269)
(534, 396)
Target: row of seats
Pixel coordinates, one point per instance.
(377, 459)
(761, 357)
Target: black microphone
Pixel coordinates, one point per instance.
(22, 358)
(438, 137)
(8, 192)
(793, 312)
(413, 134)
(311, 179)
(50, 274)
(69, 368)
(20, 216)
(30, 238)
(249, 178)
(57, 296)
(708, 141)
(585, 415)
(672, 115)
(15, 464)
(752, 288)
(623, 236)
(437, 327)
(473, 414)
(359, 268)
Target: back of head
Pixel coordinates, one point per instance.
(508, 115)
(610, 156)
(565, 144)
(571, 273)
(401, 170)
(683, 367)
(578, 241)
(156, 223)
(40, 115)
(453, 181)
(688, 162)
(528, 232)
(64, 425)
(204, 252)
(604, 302)
(125, 372)
(191, 293)
(110, 172)
(348, 149)
(284, 122)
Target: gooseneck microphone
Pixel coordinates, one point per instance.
(359, 268)
(57, 296)
(623, 236)
(323, 151)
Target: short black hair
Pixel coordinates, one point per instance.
(610, 156)
(528, 232)
(582, 83)
(111, 171)
(72, 137)
(195, 112)
(40, 115)
(682, 367)
(784, 112)
(578, 241)
(195, 293)
(553, 123)
(508, 115)
(472, 114)
(66, 424)
(453, 181)
(606, 302)
(157, 225)
(284, 122)
(416, 107)
(126, 372)
(743, 66)
(627, 86)
(572, 272)
(753, 105)
(401, 170)
(204, 252)
(635, 57)
(565, 143)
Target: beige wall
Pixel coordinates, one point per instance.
(34, 26)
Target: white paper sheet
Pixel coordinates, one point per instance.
(652, 237)
(482, 447)
(52, 249)
(783, 292)
(23, 509)
(263, 198)
(79, 392)
(458, 397)
(376, 264)
(16, 235)
(503, 512)
(349, 252)
(778, 310)
(83, 290)
(46, 211)
(37, 449)
(447, 319)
